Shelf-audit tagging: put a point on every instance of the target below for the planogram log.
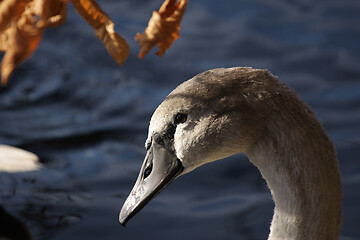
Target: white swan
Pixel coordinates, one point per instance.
(13, 159)
(222, 112)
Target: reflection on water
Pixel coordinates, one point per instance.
(86, 118)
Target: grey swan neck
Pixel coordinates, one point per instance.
(300, 167)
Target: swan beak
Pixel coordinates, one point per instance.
(160, 167)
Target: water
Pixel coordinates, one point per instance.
(87, 118)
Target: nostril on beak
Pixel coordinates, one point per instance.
(148, 170)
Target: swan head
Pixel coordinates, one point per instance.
(208, 117)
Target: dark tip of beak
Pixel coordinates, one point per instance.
(123, 221)
(160, 167)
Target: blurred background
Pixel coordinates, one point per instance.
(87, 118)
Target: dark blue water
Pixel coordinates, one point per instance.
(87, 118)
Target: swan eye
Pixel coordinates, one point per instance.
(180, 118)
